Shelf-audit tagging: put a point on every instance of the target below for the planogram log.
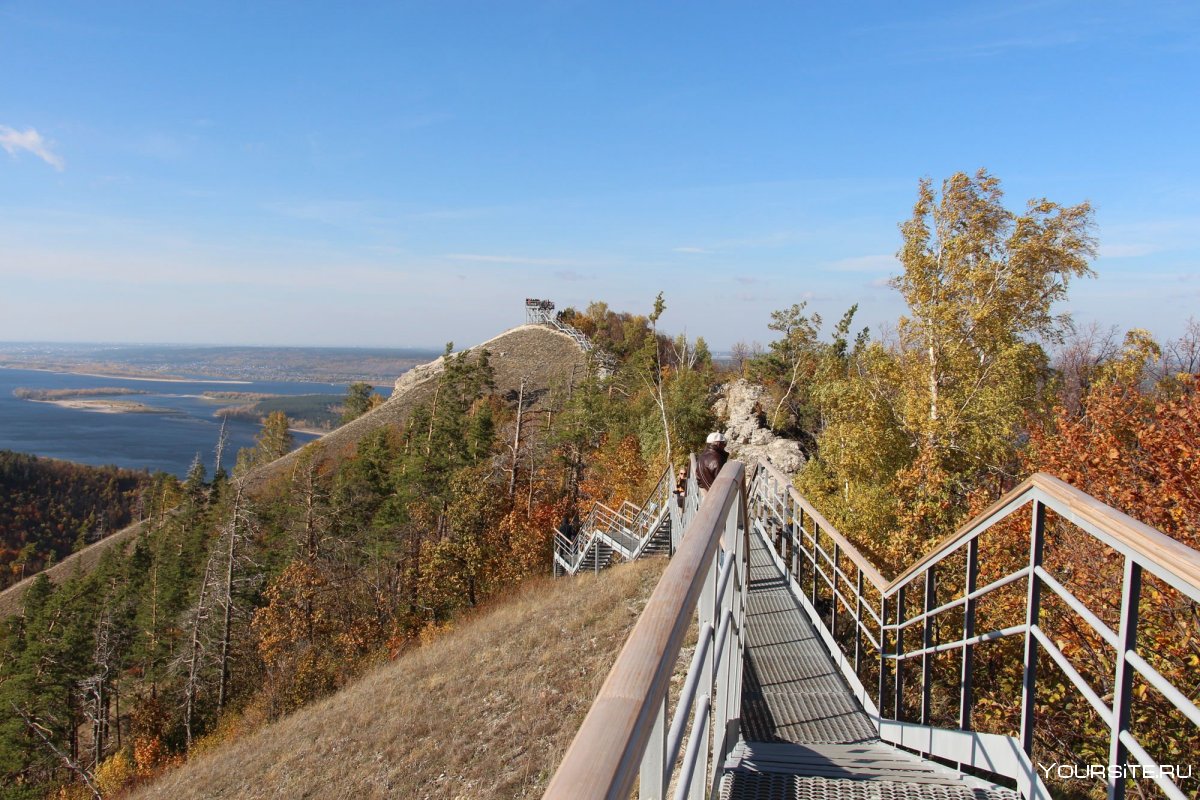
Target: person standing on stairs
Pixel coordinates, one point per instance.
(710, 461)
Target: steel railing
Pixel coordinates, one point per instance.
(878, 630)
(626, 531)
(625, 738)
(888, 635)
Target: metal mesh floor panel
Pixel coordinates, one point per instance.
(792, 691)
(776, 786)
(868, 761)
(782, 716)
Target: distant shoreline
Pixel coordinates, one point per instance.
(122, 377)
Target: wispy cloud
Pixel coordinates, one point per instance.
(995, 47)
(330, 212)
(163, 146)
(483, 258)
(1127, 250)
(571, 275)
(30, 141)
(883, 262)
(689, 250)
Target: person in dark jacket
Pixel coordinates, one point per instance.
(710, 461)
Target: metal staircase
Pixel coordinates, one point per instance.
(541, 312)
(813, 676)
(626, 533)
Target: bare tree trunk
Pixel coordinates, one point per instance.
(786, 395)
(222, 438)
(226, 626)
(194, 656)
(310, 522)
(432, 418)
(933, 384)
(117, 710)
(657, 386)
(516, 445)
(532, 472)
(153, 649)
(70, 762)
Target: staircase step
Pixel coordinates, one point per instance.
(779, 786)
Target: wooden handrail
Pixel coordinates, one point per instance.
(606, 753)
(1165, 553)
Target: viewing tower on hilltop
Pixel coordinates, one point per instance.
(541, 312)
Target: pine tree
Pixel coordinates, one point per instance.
(360, 398)
(274, 440)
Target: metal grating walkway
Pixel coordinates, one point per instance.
(804, 734)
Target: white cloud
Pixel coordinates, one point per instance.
(690, 250)
(571, 275)
(490, 259)
(30, 140)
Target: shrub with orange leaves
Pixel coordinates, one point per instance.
(617, 472)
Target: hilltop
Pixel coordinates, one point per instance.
(486, 710)
(540, 355)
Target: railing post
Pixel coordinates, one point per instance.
(926, 643)
(791, 521)
(883, 644)
(652, 781)
(802, 553)
(833, 593)
(898, 706)
(734, 678)
(1131, 591)
(706, 613)
(966, 696)
(1033, 605)
(725, 727)
(816, 536)
(858, 605)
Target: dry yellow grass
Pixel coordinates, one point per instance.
(485, 711)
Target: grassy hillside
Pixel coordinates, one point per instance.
(541, 355)
(486, 710)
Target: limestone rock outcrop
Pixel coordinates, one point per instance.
(742, 406)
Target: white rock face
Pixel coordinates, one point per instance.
(742, 406)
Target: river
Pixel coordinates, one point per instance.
(153, 441)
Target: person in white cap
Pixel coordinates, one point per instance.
(710, 461)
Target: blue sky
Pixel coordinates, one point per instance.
(407, 173)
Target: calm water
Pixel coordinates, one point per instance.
(165, 442)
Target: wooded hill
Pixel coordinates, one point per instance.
(50, 508)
